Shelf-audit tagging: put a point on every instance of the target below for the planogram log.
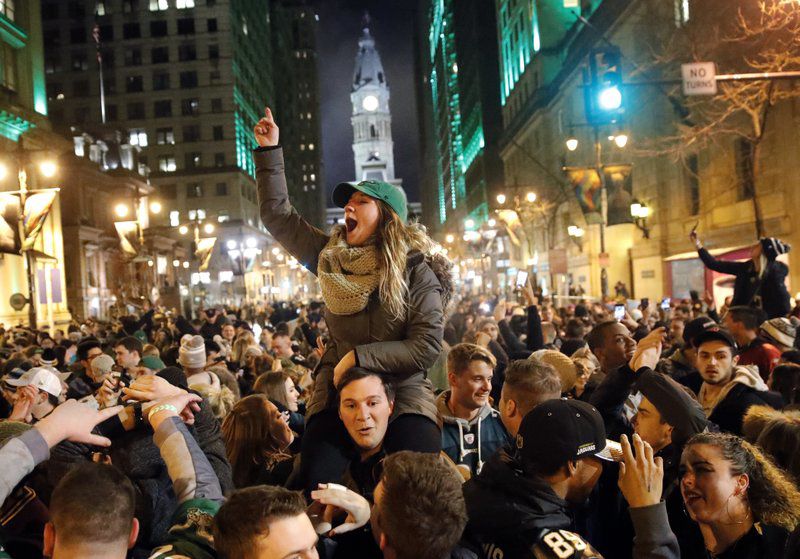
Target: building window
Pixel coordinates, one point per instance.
(216, 105)
(80, 88)
(160, 81)
(158, 29)
(165, 136)
(135, 110)
(110, 84)
(158, 5)
(106, 33)
(52, 39)
(190, 107)
(8, 67)
(194, 190)
(108, 59)
(75, 9)
(111, 112)
(745, 168)
(222, 189)
(52, 64)
(212, 25)
(186, 26)
(130, 6)
(214, 76)
(213, 52)
(159, 55)
(131, 31)
(193, 159)
(79, 61)
(134, 84)
(77, 36)
(54, 91)
(183, 4)
(187, 52)
(217, 133)
(174, 218)
(138, 137)
(133, 57)
(681, 12)
(219, 160)
(166, 164)
(191, 133)
(100, 8)
(692, 175)
(188, 80)
(162, 108)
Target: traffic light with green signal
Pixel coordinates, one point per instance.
(604, 96)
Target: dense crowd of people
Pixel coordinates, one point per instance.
(397, 418)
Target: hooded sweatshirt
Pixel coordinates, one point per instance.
(727, 408)
(469, 444)
(510, 513)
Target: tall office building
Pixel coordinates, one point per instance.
(188, 78)
(26, 140)
(294, 32)
(462, 72)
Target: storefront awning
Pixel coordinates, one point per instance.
(713, 252)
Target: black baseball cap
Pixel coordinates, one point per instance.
(714, 332)
(676, 406)
(557, 431)
(695, 327)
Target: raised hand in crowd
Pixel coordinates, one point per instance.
(22, 411)
(74, 421)
(338, 499)
(641, 476)
(648, 350)
(266, 131)
(149, 388)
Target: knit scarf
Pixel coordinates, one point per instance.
(347, 275)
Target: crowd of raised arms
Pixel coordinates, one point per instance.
(398, 418)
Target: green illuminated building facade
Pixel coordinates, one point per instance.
(187, 78)
(460, 67)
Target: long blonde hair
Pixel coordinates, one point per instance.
(394, 240)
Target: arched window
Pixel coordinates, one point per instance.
(372, 132)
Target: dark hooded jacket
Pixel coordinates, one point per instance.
(775, 298)
(403, 350)
(508, 511)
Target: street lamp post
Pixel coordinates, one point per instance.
(48, 169)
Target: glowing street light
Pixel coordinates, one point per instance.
(610, 98)
(183, 229)
(621, 140)
(501, 199)
(155, 207)
(231, 244)
(469, 224)
(48, 168)
(208, 228)
(572, 143)
(531, 197)
(121, 210)
(251, 242)
(449, 239)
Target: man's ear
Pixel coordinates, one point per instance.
(134, 533)
(49, 540)
(391, 406)
(571, 468)
(735, 360)
(388, 552)
(670, 431)
(511, 408)
(451, 378)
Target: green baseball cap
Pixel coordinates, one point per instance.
(392, 195)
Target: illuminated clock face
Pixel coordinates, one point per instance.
(370, 103)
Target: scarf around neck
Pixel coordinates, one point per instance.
(347, 275)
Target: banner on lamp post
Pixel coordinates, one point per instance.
(10, 237)
(585, 183)
(37, 207)
(205, 247)
(128, 232)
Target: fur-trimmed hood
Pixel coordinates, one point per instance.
(442, 267)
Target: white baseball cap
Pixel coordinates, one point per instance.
(41, 379)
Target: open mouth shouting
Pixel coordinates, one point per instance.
(350, 224)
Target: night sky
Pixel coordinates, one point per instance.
(339, 30)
